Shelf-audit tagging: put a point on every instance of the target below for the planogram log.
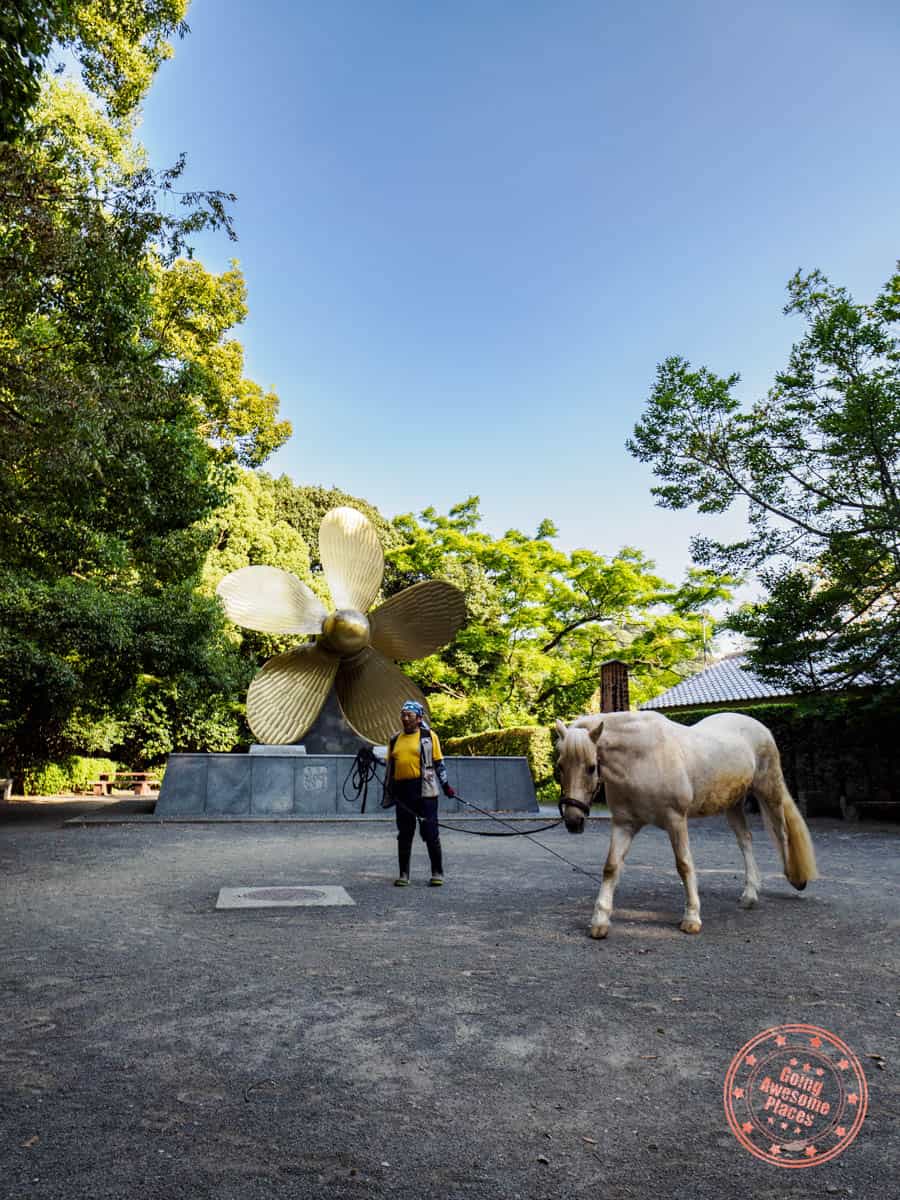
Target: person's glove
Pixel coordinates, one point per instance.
(449, 792)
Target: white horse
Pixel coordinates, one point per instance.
(657, 772)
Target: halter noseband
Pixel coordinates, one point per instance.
(567, 801)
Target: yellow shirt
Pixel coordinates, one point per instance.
(407, 762)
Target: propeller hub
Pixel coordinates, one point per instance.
(346, 631)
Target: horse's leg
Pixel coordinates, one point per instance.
(620, 839)
(678, 836)
(752, 878)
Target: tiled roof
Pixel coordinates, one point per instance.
(726, 682)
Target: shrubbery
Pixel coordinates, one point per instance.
(48, 780)
(533, 742)
(84, 771)
(75, 774)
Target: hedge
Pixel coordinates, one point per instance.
(533, 742)
(873, 713)
(49, 780)
(74, 774)
(766, 713)
(84, 771)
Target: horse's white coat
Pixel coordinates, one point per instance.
(657, 772)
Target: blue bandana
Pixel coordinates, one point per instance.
(414, 706)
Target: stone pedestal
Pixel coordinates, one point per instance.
(330, 733)
(289, 785)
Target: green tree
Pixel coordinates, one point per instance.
(95, 151)
(541, 621)
(304, 505)
(122, 407)
(816, 460)
(194, 310)
(27, 30)
(249, 531)
(181, 711)
(104, 474)
(119, 47)
(123, 415)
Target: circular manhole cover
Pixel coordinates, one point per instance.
(311, 894)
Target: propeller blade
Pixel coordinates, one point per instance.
(371, 691)
(271, 600)
(351, 558)
(285, 697)
(418, 620)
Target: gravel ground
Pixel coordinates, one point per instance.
(465, 1042)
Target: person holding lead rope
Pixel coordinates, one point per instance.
(415, 767)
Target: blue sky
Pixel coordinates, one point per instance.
(470, 231)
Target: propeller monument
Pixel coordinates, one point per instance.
(353, 650)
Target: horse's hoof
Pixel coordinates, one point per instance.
(599, 931)
(748, 901)
(690, 926)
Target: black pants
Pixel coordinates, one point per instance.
(412, 807)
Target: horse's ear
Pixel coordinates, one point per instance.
(595, 733)
(560, 728)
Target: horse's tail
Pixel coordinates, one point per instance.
(800, 867)
(788, 831)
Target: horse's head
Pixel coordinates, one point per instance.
(578, 776)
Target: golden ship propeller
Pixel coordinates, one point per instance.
(353, 648)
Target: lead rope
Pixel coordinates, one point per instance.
(365, 769)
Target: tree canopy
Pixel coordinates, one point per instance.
(118, 46)
(104, 471)
(817, 462)
(194, 310)
(123, 416)
(541, 620)
(27, 30)
(304, 505)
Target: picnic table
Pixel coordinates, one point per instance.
(142, 783)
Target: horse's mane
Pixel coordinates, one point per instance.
(589, 721)
(578, 741)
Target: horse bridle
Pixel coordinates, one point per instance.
(568, 802)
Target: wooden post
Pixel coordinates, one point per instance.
(614, 686)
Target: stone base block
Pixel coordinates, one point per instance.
(276, 785)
